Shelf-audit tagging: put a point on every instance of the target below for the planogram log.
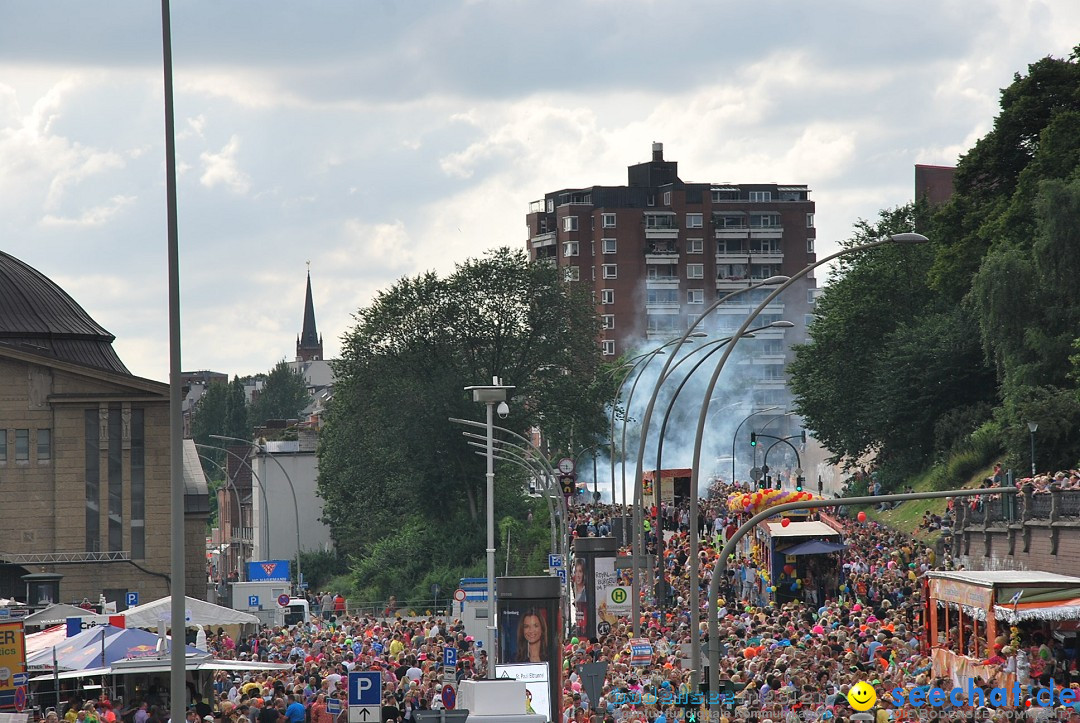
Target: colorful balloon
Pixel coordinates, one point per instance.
(785, 522)
(862, 516)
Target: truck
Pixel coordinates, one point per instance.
(261, 599)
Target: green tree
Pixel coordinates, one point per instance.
(283, 396)
(236, 412)
(208, 418)
(387, 439)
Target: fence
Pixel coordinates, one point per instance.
(1029, 505)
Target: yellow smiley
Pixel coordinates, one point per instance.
(862, 696)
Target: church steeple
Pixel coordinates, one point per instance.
(309, 345)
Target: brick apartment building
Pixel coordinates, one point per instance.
(659, 250)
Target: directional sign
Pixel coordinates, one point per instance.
(283, 599)
(253, 601)
(131, 599)
(20, 679)
(365, 691)
(554, 560)
(449, 657)
(333, 706)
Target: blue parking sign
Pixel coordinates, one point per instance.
(253, 601)
(365, 688)
(449, 657)
(555, 561)
(131, 599)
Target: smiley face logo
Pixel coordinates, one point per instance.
(862, 696)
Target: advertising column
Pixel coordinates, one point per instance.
(13, 678)
(583, 581)
(529, 640)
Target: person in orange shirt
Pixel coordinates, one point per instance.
(319, 714)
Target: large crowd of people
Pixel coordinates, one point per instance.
(856, 616)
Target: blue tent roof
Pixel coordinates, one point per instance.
(98, 647)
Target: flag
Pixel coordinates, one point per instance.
(1015, 599)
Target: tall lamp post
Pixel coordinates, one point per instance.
(647, 417)
(695, 611)
(296, 506)
(492, 395)
(1033, 427)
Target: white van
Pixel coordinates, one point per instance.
(297, 611)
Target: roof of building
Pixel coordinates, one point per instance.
(309, 335)
(811, 528)
(990, 578)
(39, 317)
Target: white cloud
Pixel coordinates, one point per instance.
(222, 169)
(96, 216)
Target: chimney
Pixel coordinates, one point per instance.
(657, 151)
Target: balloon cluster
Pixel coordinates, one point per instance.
(755, 502)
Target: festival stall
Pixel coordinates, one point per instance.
(970, 610)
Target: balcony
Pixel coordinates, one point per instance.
(767, 232)
(736, 232)
(730, 283)
(661, 307)
(543, 239)
(732, 256)
(660, 252)
(662, 282)
(766, 256)
(243, 534)
(658, 234)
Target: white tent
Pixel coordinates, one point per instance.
(57, 614)
(197, 612)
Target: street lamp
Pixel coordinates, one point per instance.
(492, 396)
(1033, 427)
(691, 331)
(224, 471)
(695, 612)
(296, 507)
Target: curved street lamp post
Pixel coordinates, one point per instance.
(695, 606)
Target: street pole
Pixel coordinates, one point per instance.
(736, 436)
(647, 418)
(492, 395)
(178, 580)
(720, 571)
(1033, 427)
(699, 436)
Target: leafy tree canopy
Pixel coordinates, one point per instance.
(393, 471)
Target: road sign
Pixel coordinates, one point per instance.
(603, 627)
(365, 714)
(561, 573)
(283, 599)
(449, 697)
(333, 706)
(365, 688)
(20, 679)
(449, 657)
(459, 595)
(566, 465)
(20, 699)
(755, 473)
(253, 601)
(5, 613)
(798, 471)
(554, 560)
(131, 599)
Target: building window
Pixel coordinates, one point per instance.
(695, 271)
(569, 223)
(809, 245)
(608, 245)
(22, 445)
(571, 273)
(765, 220)
(138, 485)
(3, 445)
(667, 198)
(695, 246)
(760, 195)
(607, 296)
(692, 319)
(44, 445)
(608, 346)
(651, 200)
(608, 321)
(809, 220)
(551, 205)
(695, 296)
(811, 296)
(92, 472)
(694, 220)
(116, 481)
(807, 320)
(570, 248)
(611, 271)
(666, 297)
(609, 220)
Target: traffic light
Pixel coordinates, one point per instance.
(799, 483)
(753, 439)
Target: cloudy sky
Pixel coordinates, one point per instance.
(379, 138)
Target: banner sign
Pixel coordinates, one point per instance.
(535, 677)
(613, 600)
(641, 651)
(12, 665)
(269, 571)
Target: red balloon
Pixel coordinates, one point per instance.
(785, 522)
(862, 517)
(746, 502)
